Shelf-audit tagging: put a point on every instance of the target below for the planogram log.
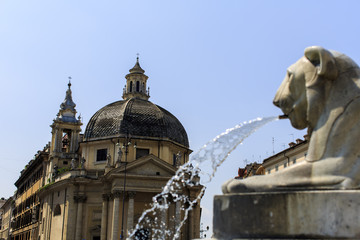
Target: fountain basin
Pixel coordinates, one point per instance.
(291, 214)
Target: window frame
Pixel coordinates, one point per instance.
(137, 149)
(96, 154)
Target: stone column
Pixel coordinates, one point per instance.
(104, 216)
(76, 139)
(191, 223)
(116, 209)
(72, 142)
(177, 214)
(197, 220)
(130, 214)
(56, 140)
(71, 214)
(59, 137)
(164, 219)
(78, 230)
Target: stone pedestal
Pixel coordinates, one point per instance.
(301, 214)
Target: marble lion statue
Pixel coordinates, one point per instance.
(321, 92)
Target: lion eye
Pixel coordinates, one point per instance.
(289, 73)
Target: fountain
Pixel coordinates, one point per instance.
(191, 174)
(319, 197)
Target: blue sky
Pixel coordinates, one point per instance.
(213, 64)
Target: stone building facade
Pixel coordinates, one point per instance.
(97, 184)
(294, 154)
(26, 205)
(6, 213)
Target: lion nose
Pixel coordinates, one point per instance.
(276, 102)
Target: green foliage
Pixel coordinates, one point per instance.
(63, 169)
(46, 186)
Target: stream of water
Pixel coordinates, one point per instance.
(190, 175)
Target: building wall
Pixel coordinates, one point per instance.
(161, 149)
(6, 219)
(294, 154)
(26, 211)
(58, 218)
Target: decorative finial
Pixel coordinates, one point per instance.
(67, 110)
(137, 58)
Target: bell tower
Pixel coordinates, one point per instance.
(136, 83)
(65, 132)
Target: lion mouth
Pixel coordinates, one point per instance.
(285, 116)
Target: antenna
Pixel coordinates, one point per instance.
(273, 142)
(69, 84)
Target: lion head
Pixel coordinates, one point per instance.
(316, 91)
(296, 95)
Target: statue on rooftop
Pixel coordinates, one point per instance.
(82, 163)
(108, 160)
(55, 172)
(73, 164)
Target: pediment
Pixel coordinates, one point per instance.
(149, 165)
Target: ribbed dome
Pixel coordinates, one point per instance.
(137, 117)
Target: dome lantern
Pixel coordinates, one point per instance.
(136, 83)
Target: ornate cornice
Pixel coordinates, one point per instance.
(106, 196)
(80, 198)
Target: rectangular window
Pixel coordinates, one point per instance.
(276, 168)
(140, 152)
(101, 155)
(285, 165)
(294, 160)
(174, 159)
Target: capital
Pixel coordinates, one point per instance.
(117, 194)
(131, 194)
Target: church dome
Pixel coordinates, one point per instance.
(137, 117)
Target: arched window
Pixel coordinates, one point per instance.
(137, 86)
(131, 86)
(57, 210)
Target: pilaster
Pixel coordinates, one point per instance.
(80, 199)
(130, 215)
(104, 216)
(116, 209)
